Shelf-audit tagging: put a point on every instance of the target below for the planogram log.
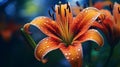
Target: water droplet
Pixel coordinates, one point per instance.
(46, 42)
(65, 53)
(67, 57)
(69, 53)
(72, 58)
(78, 49)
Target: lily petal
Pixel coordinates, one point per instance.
(107, 23)
(73, 53)
(84, 21)
(116, 13)
(101, 5)
(46, 25)
(92, 35)
(45, 46)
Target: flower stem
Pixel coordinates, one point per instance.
(29, 38)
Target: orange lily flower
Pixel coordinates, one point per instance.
(110, 24)
(66, 33)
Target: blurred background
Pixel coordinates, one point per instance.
(15, 51)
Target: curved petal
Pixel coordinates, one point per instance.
(116, 13)
(45, 46)
(101, 27)
(92, 35)
(101, 5)
(73, 53)
(108, 21)
(83, 22)
(106, 24)
(46, 25)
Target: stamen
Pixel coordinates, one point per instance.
(111, 6)
(53, 16)
(119, 10)
(68, 5)
(69, 9)
(49, 13)
(77, 3)
(58, 10)
(80, 9)
(65, 12)
(53, 9)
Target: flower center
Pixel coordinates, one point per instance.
(63, 18)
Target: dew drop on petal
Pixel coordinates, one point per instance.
(65, 53)
(69, 53)
(72, 58)
(47, 46)
(46, 42)
(78, 49)
(67, 57)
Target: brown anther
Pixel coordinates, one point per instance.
(80, 9)
(58, 10)
(53, 9)
(77, 3)
(53, 16)
(119, 10)
(65, 12)
(69, 9)
(67, 5)
(111, 6)
(49, 13)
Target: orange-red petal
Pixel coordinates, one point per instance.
(73, 53)
(106, 24)
(92, 35)
(83, 22)
(101, 5)
(116, 13)
(46, 25)
(45, 46)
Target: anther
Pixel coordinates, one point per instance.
(53, 9)
(65, 12)
(111, 6)
(49, 13)
(80, 9)
(53, 16)
(118, 10)
(68, 5)
(58, 10)
(69, 9)
(77, 3)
